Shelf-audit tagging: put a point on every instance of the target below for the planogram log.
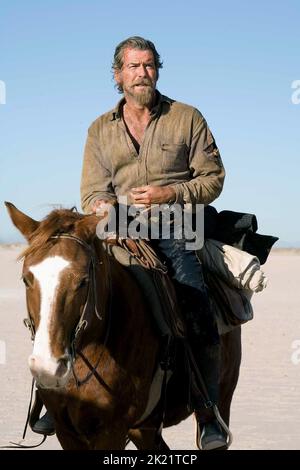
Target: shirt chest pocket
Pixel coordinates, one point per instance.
(174, 157)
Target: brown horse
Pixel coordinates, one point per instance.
(96, 350)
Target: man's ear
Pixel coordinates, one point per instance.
(117, 76)
(25, 224)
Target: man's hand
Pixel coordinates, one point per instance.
(97, 204)
(153, 194)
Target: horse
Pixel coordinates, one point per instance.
(96, 350)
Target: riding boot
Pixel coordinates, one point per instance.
(204, 344)
(209, 434)
(44, 425)
(203, 350)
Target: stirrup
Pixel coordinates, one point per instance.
(211, 437)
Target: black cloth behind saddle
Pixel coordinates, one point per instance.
(239, 230)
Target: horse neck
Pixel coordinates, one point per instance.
(103, 262)
(116, 285)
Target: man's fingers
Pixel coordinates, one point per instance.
(140, 200)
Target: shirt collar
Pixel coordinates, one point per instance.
(117, 113)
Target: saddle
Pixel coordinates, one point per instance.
(151, 275)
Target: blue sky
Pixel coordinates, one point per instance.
(233, 60)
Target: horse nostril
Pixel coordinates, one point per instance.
(62, 368)
(31, 362)
(34, 365)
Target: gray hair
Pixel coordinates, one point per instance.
(135, 42)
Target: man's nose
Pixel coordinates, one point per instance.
(142, 70)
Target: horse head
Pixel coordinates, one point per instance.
(59, 273)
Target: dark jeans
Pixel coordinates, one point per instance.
(186, 272)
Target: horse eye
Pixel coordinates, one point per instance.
(26, 282)
(83, 282)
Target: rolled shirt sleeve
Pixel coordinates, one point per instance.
(207, 171)
(96, 181)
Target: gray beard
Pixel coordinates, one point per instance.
(144, 98)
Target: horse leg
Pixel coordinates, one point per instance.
(147, 439)
(70, 441)
(105, 440)
(231, 360)
(110, 440)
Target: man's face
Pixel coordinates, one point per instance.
(138, 75)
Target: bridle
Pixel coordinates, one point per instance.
(91, 302)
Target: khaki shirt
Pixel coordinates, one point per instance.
(178, 149)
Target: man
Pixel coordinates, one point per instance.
(155, 150)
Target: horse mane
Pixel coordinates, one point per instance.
(58, 221)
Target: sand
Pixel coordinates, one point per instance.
(265, 412)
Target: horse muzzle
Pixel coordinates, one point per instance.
(50, 372)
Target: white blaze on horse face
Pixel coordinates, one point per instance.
(47, 273)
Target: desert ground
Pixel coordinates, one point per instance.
(265, 412)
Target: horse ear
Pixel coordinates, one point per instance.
(86, 227)
(25, 224)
